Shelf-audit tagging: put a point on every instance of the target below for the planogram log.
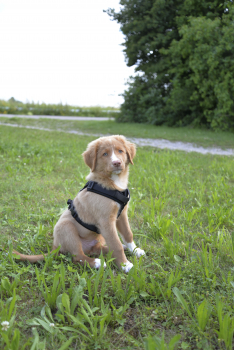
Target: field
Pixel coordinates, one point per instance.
(202, 137)
(180, 296)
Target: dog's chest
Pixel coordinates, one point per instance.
(121, 183)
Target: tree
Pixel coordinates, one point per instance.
(172, 45)
(205, 51)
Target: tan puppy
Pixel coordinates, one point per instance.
(108, 159)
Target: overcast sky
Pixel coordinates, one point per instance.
(61, 51)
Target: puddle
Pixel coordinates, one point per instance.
(157, 143)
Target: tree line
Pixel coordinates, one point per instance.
(12, 106)
(184, 56)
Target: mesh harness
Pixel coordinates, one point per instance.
(120, 197)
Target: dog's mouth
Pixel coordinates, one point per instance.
(117, 171)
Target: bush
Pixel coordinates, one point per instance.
(183, 51)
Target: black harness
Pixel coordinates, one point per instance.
(120, 197)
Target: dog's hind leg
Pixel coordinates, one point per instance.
(67, 236)
(99, 247)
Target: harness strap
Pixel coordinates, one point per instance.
(75, 215)
(120, 197)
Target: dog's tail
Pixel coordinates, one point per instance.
(36, 258)
(30, 258)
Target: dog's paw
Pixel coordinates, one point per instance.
(138, 252)
(127, 266)
(97, 263)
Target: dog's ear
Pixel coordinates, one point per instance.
(131, 150)
(130, 147)
(90, 155)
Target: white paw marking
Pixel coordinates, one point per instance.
(98, 262)
(127, 266)
(138, 252)
(131, 246)
(133, 249)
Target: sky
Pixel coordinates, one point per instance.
(61, 51)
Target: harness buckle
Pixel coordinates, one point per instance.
(90, 185)
(69, 202)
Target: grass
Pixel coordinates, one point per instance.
(202, 137)
(182, 214)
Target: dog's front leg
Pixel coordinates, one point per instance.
(126, 234)
(113, 242)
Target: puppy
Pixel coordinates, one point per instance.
(108, 159)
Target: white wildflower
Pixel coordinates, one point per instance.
(5, 325)
(52, 325)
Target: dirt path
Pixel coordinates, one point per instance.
(157, 143)
(54, 117)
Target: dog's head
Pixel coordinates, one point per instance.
(110, 154)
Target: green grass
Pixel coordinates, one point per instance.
(182, 215)
(202, 137)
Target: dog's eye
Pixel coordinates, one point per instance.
(105, 154)
(120, 151)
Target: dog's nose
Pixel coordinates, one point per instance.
(116, 163)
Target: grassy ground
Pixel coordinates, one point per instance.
(182, 215)
(200, 137)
